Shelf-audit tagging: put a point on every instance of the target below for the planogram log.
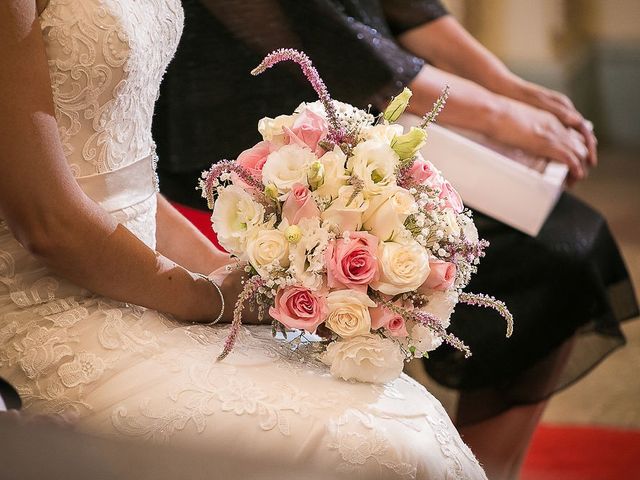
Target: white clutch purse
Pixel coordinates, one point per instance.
(500, 181)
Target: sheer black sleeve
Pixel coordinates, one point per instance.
(403, 15)
(208, 91)
(348, 40)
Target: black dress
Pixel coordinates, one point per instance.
(568, 284)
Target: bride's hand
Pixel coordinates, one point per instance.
(231, 285)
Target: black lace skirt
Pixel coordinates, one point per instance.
(568, 290)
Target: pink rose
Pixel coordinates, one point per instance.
(307, 130)
(422, 171)
(441, 277)
(352, 263)
(255, 157)
(298, 307)
(299, 204)
(392, 322)
(451, 197)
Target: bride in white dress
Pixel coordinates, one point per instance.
(81, 225)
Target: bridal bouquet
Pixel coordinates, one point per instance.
(347, 232)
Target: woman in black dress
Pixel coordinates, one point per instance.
(568, 288)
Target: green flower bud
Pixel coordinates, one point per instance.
(316, 175)
(293, 234)
(407, 145)
(397, 106)
(271, 191)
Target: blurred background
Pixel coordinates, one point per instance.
(590, 50)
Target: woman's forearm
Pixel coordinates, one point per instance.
(92, 250)
(470, 106)
(183, 243)
(447, 45)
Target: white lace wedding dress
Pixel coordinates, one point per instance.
(117, 369)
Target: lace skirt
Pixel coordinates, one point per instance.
(568, 290)
(267, 410)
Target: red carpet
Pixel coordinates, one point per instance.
(583, 453)
(557, 452)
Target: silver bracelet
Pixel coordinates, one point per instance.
(204, 277)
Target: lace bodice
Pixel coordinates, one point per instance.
(106, 61)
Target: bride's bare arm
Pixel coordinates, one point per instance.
(44, 206)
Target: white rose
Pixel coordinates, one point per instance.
(235, 215)
(441, 305)
(349, 313)
(374, 162)
(287, 166)
(387, 212)
(366, 358)
(335, 176)
(403, 267)
(451, 225)
(272, 129)
(267, 248)
(423, 339)
(347, 217)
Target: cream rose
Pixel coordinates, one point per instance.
(365, 358)
(235, 215)
(387, 212)
(287, 166)
(345, 212)
(349, 313)
(403, 267)
(334, 176)
(373, 161)
(272, 129)
(268, 248)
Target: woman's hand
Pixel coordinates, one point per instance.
(559, 105)
(450, 48)
(231, 286)
(540, 133)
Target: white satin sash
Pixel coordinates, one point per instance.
(124, 187)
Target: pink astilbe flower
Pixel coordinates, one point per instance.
(426, 319)
(248, 293)
(466, 250)
(208, 183)
(483, 300)
(438, 106)
(336, 132)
